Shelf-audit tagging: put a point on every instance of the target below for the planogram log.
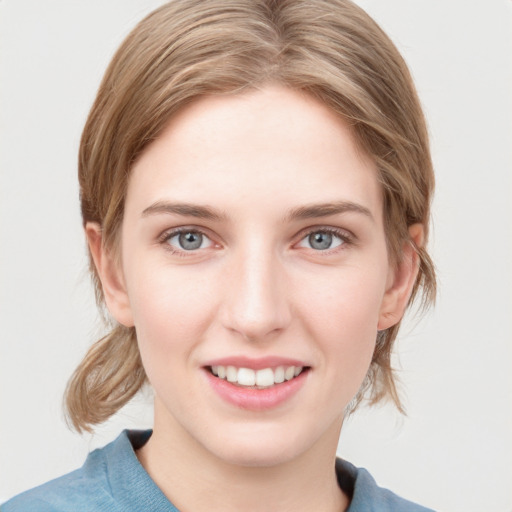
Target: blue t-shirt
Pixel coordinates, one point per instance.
(113, 480)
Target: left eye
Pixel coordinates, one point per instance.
(189, 240)
(321, 240)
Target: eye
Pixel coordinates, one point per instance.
(322, 240)
(188, 240)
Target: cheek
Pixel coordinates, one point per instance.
(346, 300)
(171, 310)
(341, 315)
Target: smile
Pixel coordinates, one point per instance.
(258, 379)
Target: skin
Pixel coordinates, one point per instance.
(256, 287)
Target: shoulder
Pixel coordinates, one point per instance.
(367, 496)
(74, 491)
(90, 488)
(85, 489)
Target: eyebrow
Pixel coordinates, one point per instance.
(185, 209)
(325, 209)
(300, 213)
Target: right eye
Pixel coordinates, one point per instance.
(188, 240)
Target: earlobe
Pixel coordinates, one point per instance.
(111, 276)
(401, 280)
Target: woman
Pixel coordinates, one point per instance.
(255, 185)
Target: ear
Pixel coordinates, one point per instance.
(401, 280)
(111, 276)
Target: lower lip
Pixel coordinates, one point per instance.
(256, 399)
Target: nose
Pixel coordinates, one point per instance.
(256, 304)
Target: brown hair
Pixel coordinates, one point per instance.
(330, 49)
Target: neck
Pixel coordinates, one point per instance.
(194, 479)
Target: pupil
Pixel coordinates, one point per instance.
(320, 241)
(190, 240)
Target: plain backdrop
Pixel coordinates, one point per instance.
(453, 452)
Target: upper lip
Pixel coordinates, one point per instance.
(255, 363)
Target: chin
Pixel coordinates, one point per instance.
(256, 457)
(260, 449)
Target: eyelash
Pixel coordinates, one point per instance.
(167, 235)
(346, 237)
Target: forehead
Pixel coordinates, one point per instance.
(273, 148)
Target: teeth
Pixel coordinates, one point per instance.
(279, 374)
(260, 378)
(289, 373)
(246, 377)
(231, 374)
(265, 377)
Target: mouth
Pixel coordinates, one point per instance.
(263, 378)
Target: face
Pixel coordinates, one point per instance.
(255, 271)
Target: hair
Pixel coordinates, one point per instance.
(329, 49)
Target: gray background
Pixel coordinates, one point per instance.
(454, 450)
